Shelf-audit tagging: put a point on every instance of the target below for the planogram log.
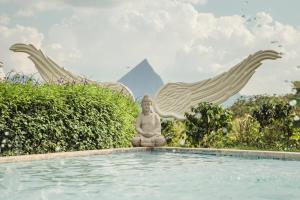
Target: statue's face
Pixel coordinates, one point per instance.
(146, 106)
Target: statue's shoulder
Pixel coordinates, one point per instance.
(155, 115)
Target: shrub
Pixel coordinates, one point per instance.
(246, 131)
(296, 98)
(277, 114)
(296, 86)
(295, 138)
(218, 139)
(244, 106)
(174, 132)
(205, 119)
(48, 118)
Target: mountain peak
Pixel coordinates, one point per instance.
(144, 62)
(142, 79)
(143, 67)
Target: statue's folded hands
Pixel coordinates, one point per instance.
(149, 135)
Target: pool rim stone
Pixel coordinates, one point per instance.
(254, 154)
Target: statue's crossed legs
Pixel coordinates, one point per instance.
(155, 141)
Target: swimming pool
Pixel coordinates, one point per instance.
(151, 175)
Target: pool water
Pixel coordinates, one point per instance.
(151, 175)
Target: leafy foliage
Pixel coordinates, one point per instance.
(218, 139)
(296, 86)
(246, 131)
(296, 97)
(48, 118)
(269, 125)
(174, 132)
(205, 119)
(261, 122)
(244, 106)
(275, 112)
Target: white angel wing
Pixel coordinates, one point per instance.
(51, 72)
(174, 99)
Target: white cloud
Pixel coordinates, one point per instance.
(264, 18)
(4, 19)
(25, 13)
(201, 2)
(29, 8)
(101, 38)
(19, 34)
(62, 45)
(56, 46)
(181, 43)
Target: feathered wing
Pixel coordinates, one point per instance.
(174, 99)
(52, 72)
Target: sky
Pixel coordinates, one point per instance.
(183, 40)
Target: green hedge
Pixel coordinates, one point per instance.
(49, 118)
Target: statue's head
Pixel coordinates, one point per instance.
(146, 104)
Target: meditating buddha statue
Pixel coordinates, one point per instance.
(148, 127)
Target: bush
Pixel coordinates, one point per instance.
(218, 139)
(244, 106)
(174, 132)
(205, 119)
(296, 139)
(275, 113)
(246, 132)
(47, 118)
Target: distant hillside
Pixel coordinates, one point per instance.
(231, 100)
(234, 98)
(20, 78)
(142, 79)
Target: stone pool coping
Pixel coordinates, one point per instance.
(206, 151)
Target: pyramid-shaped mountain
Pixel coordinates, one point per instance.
(142, 79)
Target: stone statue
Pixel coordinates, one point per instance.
(2, 74)
(148, 127)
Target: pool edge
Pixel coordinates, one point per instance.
(32, 157)
(208, 151)
(280, 155)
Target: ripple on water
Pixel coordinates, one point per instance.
(151, 175)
